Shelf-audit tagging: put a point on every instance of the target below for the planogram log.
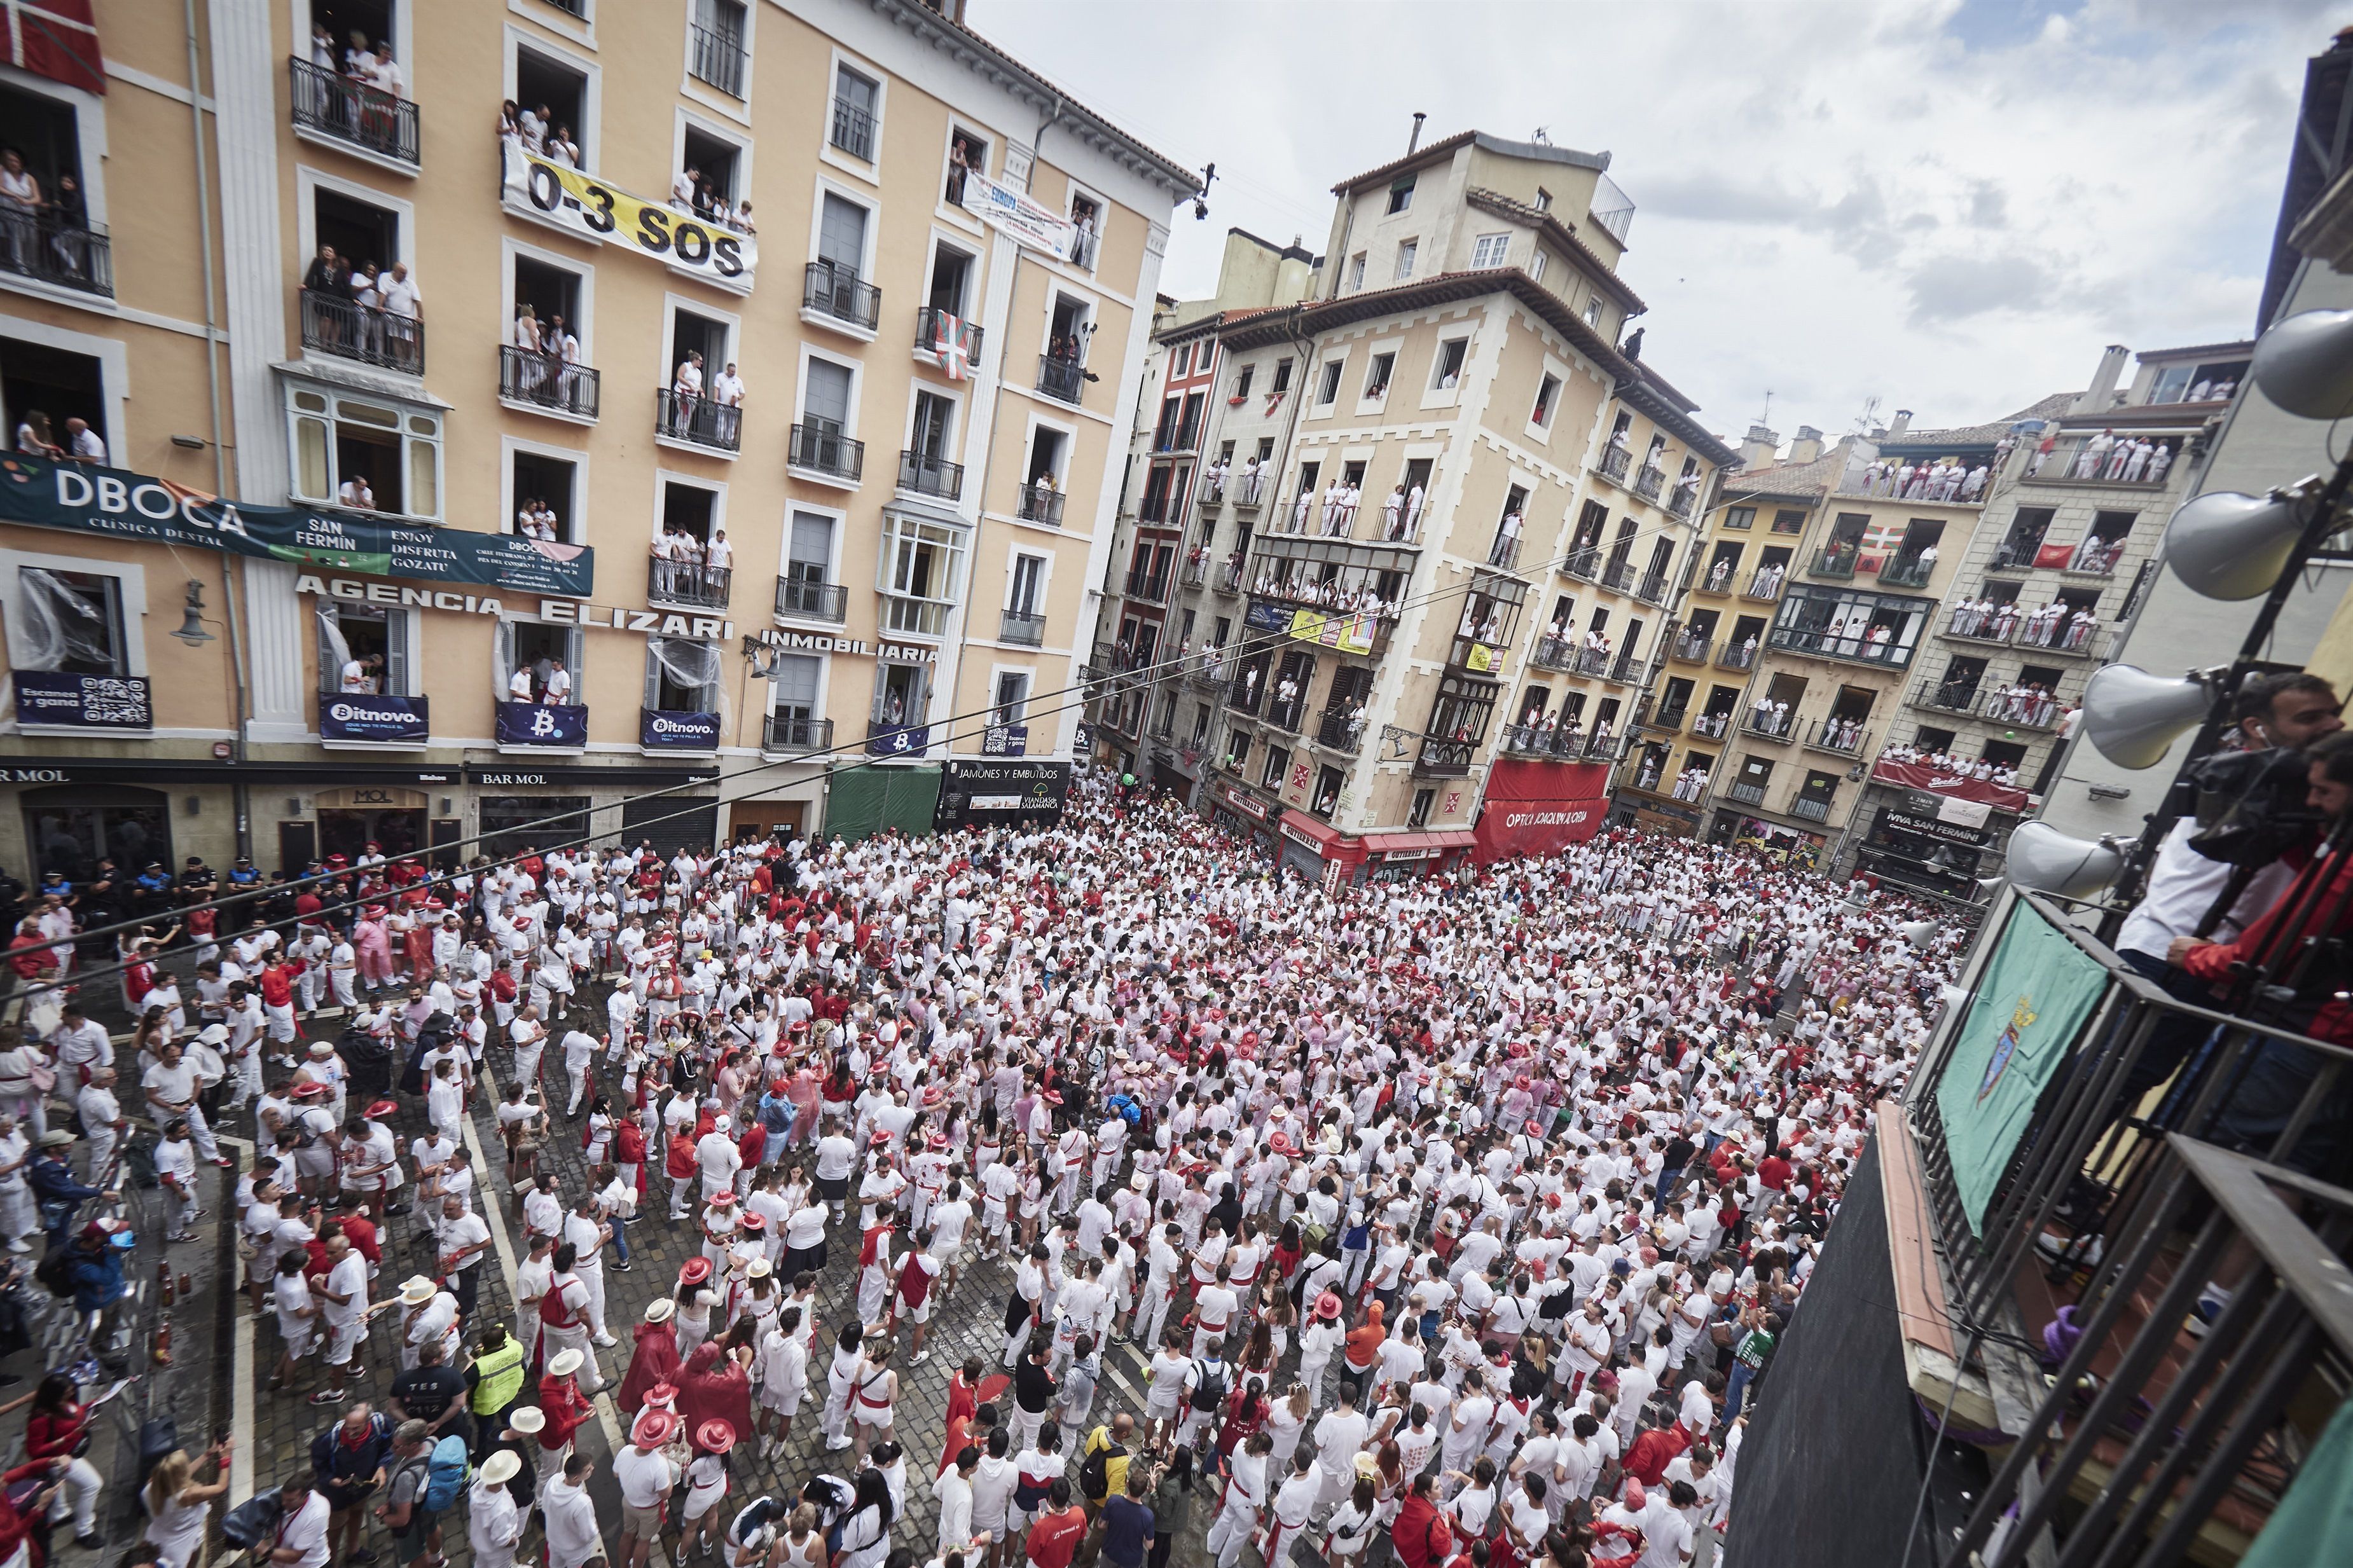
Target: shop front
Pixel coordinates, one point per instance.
(1540, 807)
(1242, 814)
(1648, 813)
(1786, 846)
(1928, 843)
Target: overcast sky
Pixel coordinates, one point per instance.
(1949, 207)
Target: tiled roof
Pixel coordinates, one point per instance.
(1986, 435)
(1439, 150)
(1562, 234)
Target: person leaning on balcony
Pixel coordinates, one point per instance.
(2272, 1086)
(727, 388)
(559, 681)
(519, 684)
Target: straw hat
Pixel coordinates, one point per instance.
(563, 1363)
(501, 1467)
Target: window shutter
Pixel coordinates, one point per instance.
(506, 665)
(398, 681)
(653, 673)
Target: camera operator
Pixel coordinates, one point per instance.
(2274, 1081)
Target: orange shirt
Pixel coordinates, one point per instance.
(1364, 1346)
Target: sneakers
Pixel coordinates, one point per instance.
(2206, 1310)
(2070, 1249)
(622, 1266)
(16, 1245)
(837, 1444)
(181, 1236)
(920, 1358)
(329, 1396)
(605, 1341)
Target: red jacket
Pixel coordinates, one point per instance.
(53, 1436)
(14, 1527)
(2274, 930)
(682, 1163)
(1421, 1534)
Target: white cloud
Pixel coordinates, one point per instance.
(1950, 207)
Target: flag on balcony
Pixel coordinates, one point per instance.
(56, 39)
(949, 346)
(2054, 555)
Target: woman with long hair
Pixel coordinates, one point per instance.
(178, 1506)
(1172, 1506)
(59, 1428)
(866, 1529)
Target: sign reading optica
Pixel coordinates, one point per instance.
(560, 195)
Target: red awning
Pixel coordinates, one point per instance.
(1393, 843)
(1306, 827)
(56, 39)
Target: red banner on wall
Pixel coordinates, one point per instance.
(1537, 809)
(2054, 555)
(56, 39)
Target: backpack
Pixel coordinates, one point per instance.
(1211, 1386)
(447, 1474)
(1094, 1475)
(254, 1521)
(138, 1161)
(55, 1270)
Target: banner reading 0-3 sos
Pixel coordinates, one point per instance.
(558, 194)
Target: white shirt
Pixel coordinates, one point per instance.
(305, 1531)
(646, 1478)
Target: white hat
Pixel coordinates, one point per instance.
(502, 1465)
(563, 1363)
(531, 1417)
(659, 1309)
(415, 1292)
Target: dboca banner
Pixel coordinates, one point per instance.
(381, 720)
(1002, 207)
(669, 732)
(560, 194)
(115, 504)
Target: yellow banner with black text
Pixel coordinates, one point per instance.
(557, 194)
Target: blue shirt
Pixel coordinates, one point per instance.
(1127, 1532)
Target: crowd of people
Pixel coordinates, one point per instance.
(1464, 1212)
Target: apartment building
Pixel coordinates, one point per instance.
(871, 295)
(2069, 550)
(1440, 473)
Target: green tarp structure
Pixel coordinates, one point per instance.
(2313, 1523)
(865, 799)
(2030, 1006)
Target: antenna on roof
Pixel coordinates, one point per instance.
(1868, 420)
(1541, 137)
(1766, 418)
(1415, 140)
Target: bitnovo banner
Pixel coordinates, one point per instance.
(663, 729)
(563, 725)
(606, 214)
(111, 503)
(2030, 1009)
(371, 716)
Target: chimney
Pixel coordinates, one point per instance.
(1903, 422)
(1414, 141)
(2101, 394)
(1756, 448)
(1807, 447)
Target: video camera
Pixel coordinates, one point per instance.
(2251, 806)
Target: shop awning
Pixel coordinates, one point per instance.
(1408, 843)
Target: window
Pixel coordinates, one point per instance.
(1788, 521)
(1405, 253)
(1488, 251)
(966, 149)
(1423, 800)
(951, 279)
(554, 297)
(681, 676)
(932, 434)
(543, 488)
(1011, 701)
(365, 242)
(1739, 517)
(809, 569)
(540, 646)
(718, 37)
(555, 91)
(841, 236)
(1029, 580)
(1536, 265)
(71, 622)
(794, 714)
(1548, 392)
(367, 644)
(1356, 271)
(1283, 375)
(1449, 367)
(362, 455)
(1242, 381)
(855, 99)
(1277, 760)
(1400, 195)
(714, 162)
(1181, 362)
(919, 570)
(825, 401)
(1593, 311)
(1376, 379)
(903, 694)
(1329, 392)
(1238, 747)
(1326, 799)
(47, 389)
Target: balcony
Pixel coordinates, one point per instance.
(819, 447)
(1503, 555)
(1248, 489)
(2095, 557)
(1841, 737)
(1246, 695)
(1712, 726)
(1689, 648)
(2016, 554)
(1615, 461)
(1063, 380)
(1021, 627)
(797, 734)
(1684, 498)
(1593, 661)
(1765, 583)
(1584, 562)
(1195, 573)
(1555, 652)
(889, 735)
(1039, 503)
(1715, 584)
(1628, 669)
(716, 58)
(1912, 572)
(1855, 645)
(1837, 562)
(1951, 696)
(1809, 809)
(1748, 794)
(347, 330)
(1341, 729)
(2108, 469)
(1618, 575)
(1443, 759)
(808, 599)
(65, 255)
(936, 340)
(2075, 639)
(1649, 482)
(698, 421)
(2018, 708)
(1149, 590)
(1653, 588)
(1771, 725)
(331, 107)
(1285, 712)
(1227, 577)
(534, 381)
(1084, 248)
(1968, 624)
(831, 295)
(1742, 656)
(853, 130)
(1208, 672)
(688, 583)
(927, 474)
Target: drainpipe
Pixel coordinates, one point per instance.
(240, 793)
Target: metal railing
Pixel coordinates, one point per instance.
(1844, 737)
(1666, 718)
(1855, 645)
(716, 58)
(1584, 562)
(1708, 582)
(367, 117)
(1628, 667)
(1151, 590)
(832, 290)
(1195, 573)
(1039, 503)
(1690, 647)
(1712, 726)
(1023, 628)
(1503, 553)
(929, 321)
(1811, 808)
(1838, 561)
(1227, 578)
(1950, 697)
(688, 583)
(1285, 713)
(1648, 483)
(1593, 661)
(1341, 729)
(928, 474)
(811, 599)
(2061, 637)
(819, 447)
(348, 330)
(853, 130)
(1555, 652)
(1063, 380)
(1652, 587)
(685, 417)
(1971, 625)
(797, 732)
(1442, 758)
(71, 256)
(1741, 657)
(2020, 708)
(1206, 673)
(1084, 248)
(1618, 575)
(1765, 583)
(1912, 572)
(1615, 460)
(1772, 726)
(1246, 695)
(1680, 502)
(527, 377)
(2016, 554)
(1747, 793)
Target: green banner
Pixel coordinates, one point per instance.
(111, 503)
(2030, 1004)
(2313, 1523)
